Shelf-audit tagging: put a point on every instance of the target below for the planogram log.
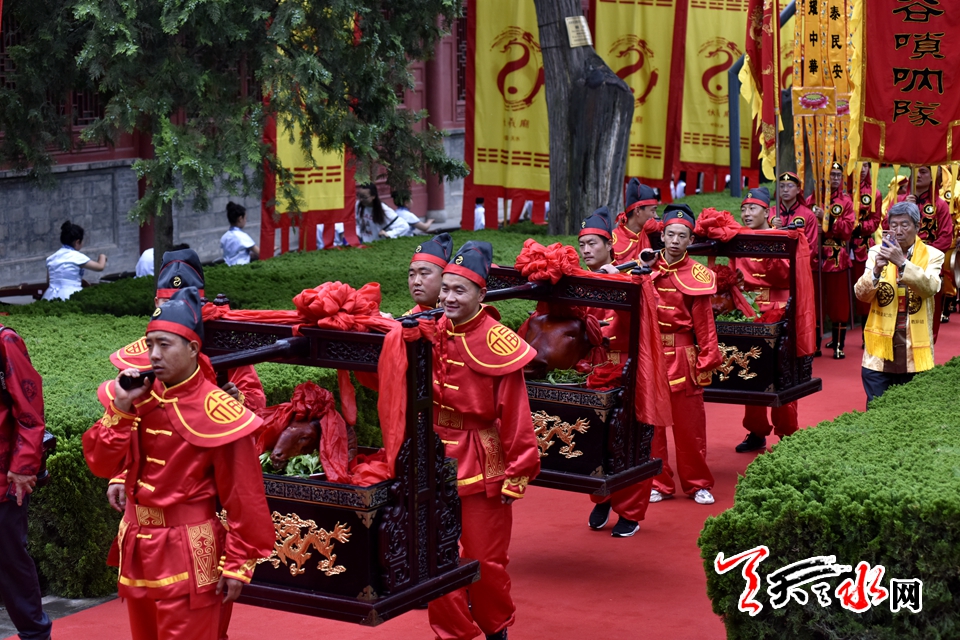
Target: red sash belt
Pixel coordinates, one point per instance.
(680, 339)
(172, 516)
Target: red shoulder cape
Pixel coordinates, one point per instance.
(134, 355)
(690, 277)
(489, 347)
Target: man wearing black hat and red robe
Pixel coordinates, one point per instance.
(426, 271)
(840, 223)
(597, 251)
(769, 278)
(187, 445)
(482, 416)
(689, 337)
(629, 238)
(182, 269)
(792, 210)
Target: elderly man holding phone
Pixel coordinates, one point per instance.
(901, 278)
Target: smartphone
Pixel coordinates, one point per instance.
(128, 382)
(889, 240)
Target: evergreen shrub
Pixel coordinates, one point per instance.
(881, 487)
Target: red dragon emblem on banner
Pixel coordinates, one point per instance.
(628, 46)
(724, 53)
(519, 89)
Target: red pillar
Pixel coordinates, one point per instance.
(436, 91)
(144, 144)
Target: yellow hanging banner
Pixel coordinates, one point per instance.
(714, 41)
(320, 181)
(636, 39)
(511, 138)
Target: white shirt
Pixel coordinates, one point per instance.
(64, 269)
(393, 225)
(338, 240)
(236, 244)
(409, 217)
(479, 217)
(145, 264)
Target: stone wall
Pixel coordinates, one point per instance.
(98, 197)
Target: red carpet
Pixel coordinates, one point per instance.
(569, 581)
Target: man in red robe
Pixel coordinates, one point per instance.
(21, 453)
(868, 219)
(596, 248)
(769, 278)
(689, 337)
(629, 238)
(836, 298)
(426, 272)
(187, 445)
(482, 416)
(792, 210)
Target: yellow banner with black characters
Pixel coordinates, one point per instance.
(320, 181)
(714, 41)
(636, 40)
(511, 141)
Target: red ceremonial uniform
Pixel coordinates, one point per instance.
(185, 447)
(482, 416)
(801, 215)
(841, 222)
(21, 416)
(627, 245)
(689, 337)
(418, 309)
(770, 279)
(868, 219)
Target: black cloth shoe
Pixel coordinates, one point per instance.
(625, 528)
(839, 355)
(599, 516)
(499, 635)
(752, 443)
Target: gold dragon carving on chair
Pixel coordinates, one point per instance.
(548, 427)
(292, 547)
(733, 357)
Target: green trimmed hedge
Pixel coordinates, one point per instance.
(272, 284)
(882, 487)
(71, 524)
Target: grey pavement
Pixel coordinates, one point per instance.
(55, 607)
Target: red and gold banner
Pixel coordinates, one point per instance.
(904, 109)
(642, 41)
(327, 194)
(714, 41)
(761, 75)
(507, 141)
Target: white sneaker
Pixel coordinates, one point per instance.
(655, 496)
(703, 496)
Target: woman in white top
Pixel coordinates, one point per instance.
(65, 267)
(237, 246)
(375, 220)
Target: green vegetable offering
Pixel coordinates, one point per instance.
(302, 466)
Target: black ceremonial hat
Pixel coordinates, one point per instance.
(679, 214)
(437, 250)
(180, 315)
(472, 262)
(598, 223)
(638, 195)
(790, 176)
(758, 195)
(180, 269)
